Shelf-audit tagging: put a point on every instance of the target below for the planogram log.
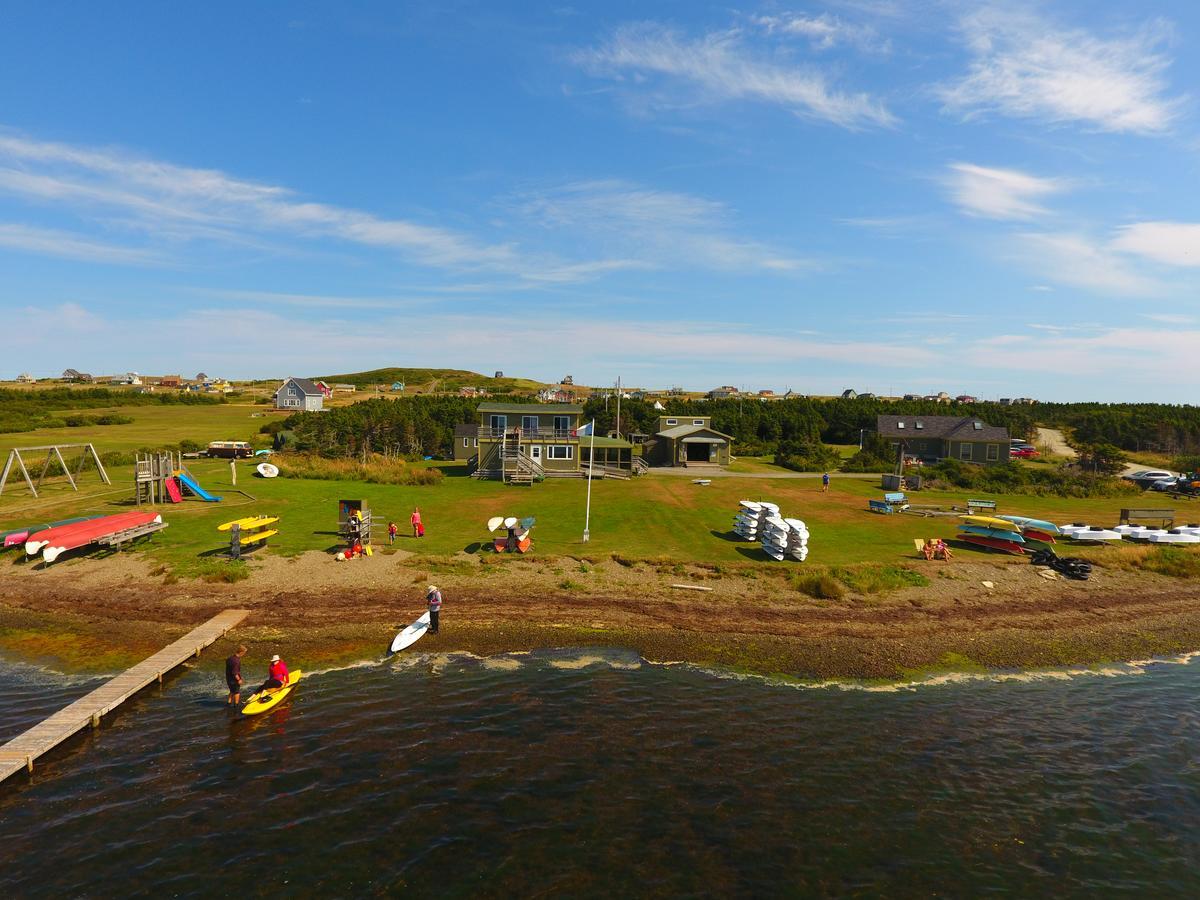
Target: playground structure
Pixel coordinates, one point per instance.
(161, 477)
(354, 527)
(53, 452)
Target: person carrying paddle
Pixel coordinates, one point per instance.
(277, 675)
(434, 598)
(233, 676)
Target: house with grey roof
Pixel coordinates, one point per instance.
(687, 441)
(934, 438)
(299, 394)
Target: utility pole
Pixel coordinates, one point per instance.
(618, 429)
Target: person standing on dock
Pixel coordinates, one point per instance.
(415, 519)
(233, 676)
(434, 599)
(825, 483)
(277, 675)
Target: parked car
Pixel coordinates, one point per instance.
(1165, 484)
(1023, 452)
(1146, 478)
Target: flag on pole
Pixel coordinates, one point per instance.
(585, 430)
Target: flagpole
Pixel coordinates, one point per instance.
(587, 516)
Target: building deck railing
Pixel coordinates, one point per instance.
(541, 434)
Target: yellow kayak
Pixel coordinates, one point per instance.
(251, 522)
(992, 522)
(255, 536)
(264, 700)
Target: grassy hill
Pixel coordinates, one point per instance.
(426, 380)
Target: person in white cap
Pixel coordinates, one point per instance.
(277, 674)
(434, 598)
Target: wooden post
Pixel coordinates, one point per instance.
(96, 720)
(233, 472)
(66, 471)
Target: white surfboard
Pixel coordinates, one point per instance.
(411, 634)
(495, 522)
(510, 521)
(266, 470)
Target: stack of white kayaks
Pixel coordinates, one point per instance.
(751, 514)
(1189, 534)
(1092, 533)
(782, 538)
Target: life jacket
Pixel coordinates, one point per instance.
(278, 671)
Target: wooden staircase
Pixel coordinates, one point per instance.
(508, 462)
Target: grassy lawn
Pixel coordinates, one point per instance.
(153, 425)
(650, 517)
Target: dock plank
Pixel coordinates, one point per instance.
(21, 752)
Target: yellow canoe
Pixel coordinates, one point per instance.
(992, 522)
(255, 536)
(251, 522)
(264, 700)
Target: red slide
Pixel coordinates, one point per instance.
(173, 490)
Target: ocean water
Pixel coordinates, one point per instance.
(594, 773)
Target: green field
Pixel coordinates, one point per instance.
(154, 425)
(654, 517)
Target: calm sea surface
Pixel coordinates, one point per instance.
(592, 773)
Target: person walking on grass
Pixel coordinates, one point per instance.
(825, 483)
(415, 520)
(392, 529)
(233, 676)
(434, 598)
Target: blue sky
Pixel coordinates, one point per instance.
(890, 195)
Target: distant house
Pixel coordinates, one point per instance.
(472, 391)
(128, 378)
(299, 394)
(966, 398)
(866, 396)
(397, 385)
(498, 374)
(1024, 401)
(767, 394)
(70, 375)
(849, 394)
(345, 388)
(568, 379)
(325, 389)
(912, 397)
(932, 438)
(200, 377)
(171, 381)
(26, 378)
(723, 392)
(217, 386)
(792, 395)
(688, 441)
(555, 395)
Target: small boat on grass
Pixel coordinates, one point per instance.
(1004, 546)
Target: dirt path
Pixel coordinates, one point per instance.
(1056, 441)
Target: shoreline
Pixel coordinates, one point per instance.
(102, 615)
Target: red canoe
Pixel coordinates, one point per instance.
(993, 543)
(54, 541)
(1034, 535)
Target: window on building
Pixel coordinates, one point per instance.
(697, 421)
(562, 426)
(560, 451)
(529, 424)
(672, 421)
(466, 442)
(964, 450)
(476, 441)
(993, 452)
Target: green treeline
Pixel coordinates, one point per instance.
(25, 410)
(424, 425)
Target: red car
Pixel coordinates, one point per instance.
(1023, 453)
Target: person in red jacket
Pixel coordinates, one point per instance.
(417, 527)
(277, 674)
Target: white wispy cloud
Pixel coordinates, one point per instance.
(720, 67)
(1172, 243)
(998, 193)
(66, 245)
(1076, 259)
(656, 227)
(183, 203)
(1027, 67)
(1145, 357)
(823, 32)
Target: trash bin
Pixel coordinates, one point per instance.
(913, 482)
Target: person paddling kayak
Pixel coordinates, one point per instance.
(277, 674)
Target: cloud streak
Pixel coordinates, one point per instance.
(998, 193)
(667, 69)
(1170, 243)
(1024, 67)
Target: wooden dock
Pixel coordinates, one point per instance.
(21, 751)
